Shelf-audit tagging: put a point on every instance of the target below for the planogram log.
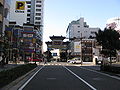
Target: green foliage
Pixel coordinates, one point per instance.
(63, 56)
(109, 39)
(48, 55)
(8, 76)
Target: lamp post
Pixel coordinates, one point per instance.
(22, 47)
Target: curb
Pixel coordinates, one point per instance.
(14, 85)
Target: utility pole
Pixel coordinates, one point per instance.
(81, 49)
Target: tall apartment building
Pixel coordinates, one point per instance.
(80, 29)
(35, 13)
(4, 13)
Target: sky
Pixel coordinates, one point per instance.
(59, 13)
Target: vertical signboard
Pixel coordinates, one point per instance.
(20, 6)
(77, 47)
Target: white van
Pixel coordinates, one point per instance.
(113, 59)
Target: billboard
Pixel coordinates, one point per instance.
(57, 43)
(77, 46)
(20, 6)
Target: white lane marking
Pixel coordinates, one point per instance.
(115, 77)
(29, 79)
(51, 78)
(80, 78)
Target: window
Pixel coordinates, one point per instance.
(78, 31)
(28, 19)
(38, 1)
(38, 9)
(92, 32)
(38, 14)
(37, 18)
(28, 2)
(28, 10)
(28, 14)
(78, 26)
(54, 54)
(37, 22)
(38, 5)
(29, 6)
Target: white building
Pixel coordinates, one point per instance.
(80, 29)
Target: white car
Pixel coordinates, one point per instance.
(75, 61)
(113, 59)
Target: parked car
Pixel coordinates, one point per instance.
(113, 59)
(75, 61)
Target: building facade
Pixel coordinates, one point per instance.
(35, 13)
(29, 12)
(4, 13)
(18, 13)
(80, 29)
(82, 40)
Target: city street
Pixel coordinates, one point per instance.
(58, 77)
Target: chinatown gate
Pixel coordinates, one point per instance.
(58, 47)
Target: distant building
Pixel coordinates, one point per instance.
(79, 29)
(82, 40)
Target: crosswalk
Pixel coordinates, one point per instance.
(55, 64)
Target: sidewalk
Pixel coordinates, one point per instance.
(10, 65)
(116, 64)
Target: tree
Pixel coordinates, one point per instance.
(109, 39)
(63, 56)
(48, 55)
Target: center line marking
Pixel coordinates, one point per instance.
(80, 78)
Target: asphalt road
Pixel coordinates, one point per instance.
(52, 77)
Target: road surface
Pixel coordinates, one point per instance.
(58, 77)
